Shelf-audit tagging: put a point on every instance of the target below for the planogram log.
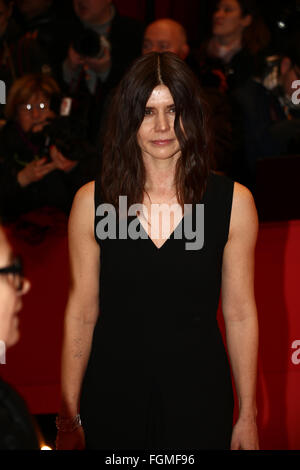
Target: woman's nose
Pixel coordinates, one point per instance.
(35, 112)
(162, 122)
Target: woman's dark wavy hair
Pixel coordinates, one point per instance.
(257, 35)
(123, 171)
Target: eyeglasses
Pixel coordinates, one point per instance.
(28, 107)
(15, 273)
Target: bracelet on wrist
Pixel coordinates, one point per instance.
(64, 424)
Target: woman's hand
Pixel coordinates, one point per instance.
(74, 440)
(61, 162)
(245, 435)
(35, 171)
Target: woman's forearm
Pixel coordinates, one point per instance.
(242, 343)
(78, 335)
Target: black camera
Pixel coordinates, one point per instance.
(67, 132)
(88, 43)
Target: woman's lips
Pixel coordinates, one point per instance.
(162, 142)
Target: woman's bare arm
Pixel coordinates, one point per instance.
(240, 314)
(83, 303)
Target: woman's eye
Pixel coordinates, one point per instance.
(148, 112)
(172, 110)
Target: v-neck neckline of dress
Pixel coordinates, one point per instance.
(159, 248)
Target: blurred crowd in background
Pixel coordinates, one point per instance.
(61, 60)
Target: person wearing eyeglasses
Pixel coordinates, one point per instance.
(30, 178)
(17, 429)
(13, 286)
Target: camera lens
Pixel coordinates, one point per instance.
(88, 44)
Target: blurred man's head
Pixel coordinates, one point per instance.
(93, 11)
(166, 35)
(12, 287)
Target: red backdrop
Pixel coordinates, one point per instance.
(33, 365)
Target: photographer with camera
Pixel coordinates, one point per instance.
(270, 116)
(44, 157)
(102, 45)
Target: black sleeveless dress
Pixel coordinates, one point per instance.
(158, 376)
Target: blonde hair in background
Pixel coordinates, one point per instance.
(23, 88)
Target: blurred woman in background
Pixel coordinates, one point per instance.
(35, 174)
(238, 36)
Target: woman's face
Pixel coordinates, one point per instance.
(156, 135)
(33, 115)
(228, 19)
(10, 297)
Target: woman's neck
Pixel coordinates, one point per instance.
(234, 40)
(160, 177)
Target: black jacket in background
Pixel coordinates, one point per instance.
(266, 130)
(17, 429)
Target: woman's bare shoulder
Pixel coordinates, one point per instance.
(83, 208)
(86, 192)
(84, 197)
(243, 214)
(242, 198)
(241, 191)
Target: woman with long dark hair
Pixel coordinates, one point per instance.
(144, 365)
